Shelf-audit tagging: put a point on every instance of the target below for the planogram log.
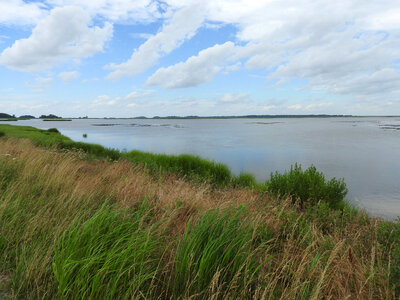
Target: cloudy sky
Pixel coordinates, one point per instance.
(127, 58)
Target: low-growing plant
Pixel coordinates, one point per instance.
(107, 257)
(2, 133)
(308, 187)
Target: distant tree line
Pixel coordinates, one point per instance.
(8, 116)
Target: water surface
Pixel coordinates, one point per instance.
(364, 151)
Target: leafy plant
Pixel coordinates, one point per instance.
(308, 187)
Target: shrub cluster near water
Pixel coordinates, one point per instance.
(73, 226)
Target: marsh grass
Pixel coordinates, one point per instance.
(219, 250)
(110, 256)
(65, 212)
(192, 167)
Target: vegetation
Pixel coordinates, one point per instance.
(9, 119)
(50, 116)
(76, 225)
(6, 116)
(55, 130)
(308, 186)
(27, 117)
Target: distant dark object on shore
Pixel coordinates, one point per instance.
(6, 116)
(26, 117)
(84, 135)
(50, 116)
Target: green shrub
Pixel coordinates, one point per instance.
(2, 133)
(107, 257)
(218, 244)
(308, 187)
(55, 130)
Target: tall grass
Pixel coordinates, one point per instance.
(217, 255)
(70, 225)
(186, 165)
(110, 256)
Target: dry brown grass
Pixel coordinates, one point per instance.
(307, 258)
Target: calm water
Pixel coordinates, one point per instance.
(364, 151)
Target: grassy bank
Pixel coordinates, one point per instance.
(79, 224)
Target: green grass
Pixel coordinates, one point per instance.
(72, 228)
(110, 256)
(308, 187)
(9, 119)
(219, 250)
(49, 138)
(188, 166)
(185, 165)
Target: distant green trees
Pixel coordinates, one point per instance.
(50, 116)
(6, 116)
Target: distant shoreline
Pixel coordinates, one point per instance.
(319, 116)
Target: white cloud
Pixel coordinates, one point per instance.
(129, 100)
(62, 35)
(194, 71)
(118, 11)
(138, 95)
(68, 76)
(234, 98)
(181, 27)
(18, 12)
(39, 84)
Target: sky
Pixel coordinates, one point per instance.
(128, 58)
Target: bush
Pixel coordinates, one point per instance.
(2, 133)
(308, 187)
(55, 130)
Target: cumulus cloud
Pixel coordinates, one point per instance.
(62, 35)
(194, 71)
(18, 12)
(181, 27)
(117, 11)
(68, 76)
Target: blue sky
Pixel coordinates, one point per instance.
(126, 58)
